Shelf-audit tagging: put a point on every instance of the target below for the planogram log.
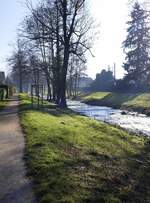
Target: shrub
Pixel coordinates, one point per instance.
(3, 93)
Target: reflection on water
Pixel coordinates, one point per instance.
(135, 122)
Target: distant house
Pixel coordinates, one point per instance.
(2, 78)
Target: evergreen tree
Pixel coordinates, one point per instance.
(136, 45)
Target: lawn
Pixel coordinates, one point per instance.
(74, 159)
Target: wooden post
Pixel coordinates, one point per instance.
(32, 95)
(7, 92)
(42, 93)
(38, 91)
(38, 97)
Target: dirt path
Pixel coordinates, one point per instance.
(14, 185)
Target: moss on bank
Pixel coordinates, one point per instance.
(135, 102)
(74, 159)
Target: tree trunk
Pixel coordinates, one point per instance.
(49, 94)
(63, 103)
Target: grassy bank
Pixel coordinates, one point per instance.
(74, 159)
(135, 102)
(3, 103)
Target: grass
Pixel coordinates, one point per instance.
(140, 101)
(137, 102)
(74, 159)
(3, 103)
(96, 95)
(26, 103)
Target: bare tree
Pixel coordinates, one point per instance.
(59, 29)
(18, 62)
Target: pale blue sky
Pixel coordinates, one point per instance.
(111, 14)
(11, 13)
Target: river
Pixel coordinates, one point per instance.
(132, 121)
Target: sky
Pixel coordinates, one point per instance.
(111, 15)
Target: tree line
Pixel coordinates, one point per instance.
(51, 48)
(52, 45)
(137, 56)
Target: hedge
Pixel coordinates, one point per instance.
(3, 93)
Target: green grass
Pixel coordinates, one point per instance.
(26, 103)
(137, 102)
(3, 103)
(96, 95)
(74, 159)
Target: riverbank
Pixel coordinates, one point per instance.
(131, 102)
(74, 159)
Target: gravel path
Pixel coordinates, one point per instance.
(15, 187)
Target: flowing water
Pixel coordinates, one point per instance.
(138, 123)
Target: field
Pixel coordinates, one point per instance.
(74, 159)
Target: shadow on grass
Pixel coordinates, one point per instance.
(127, 180)
(46, 108)
(5, 109)
(96, 178)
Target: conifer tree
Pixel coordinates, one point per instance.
(136, 45)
